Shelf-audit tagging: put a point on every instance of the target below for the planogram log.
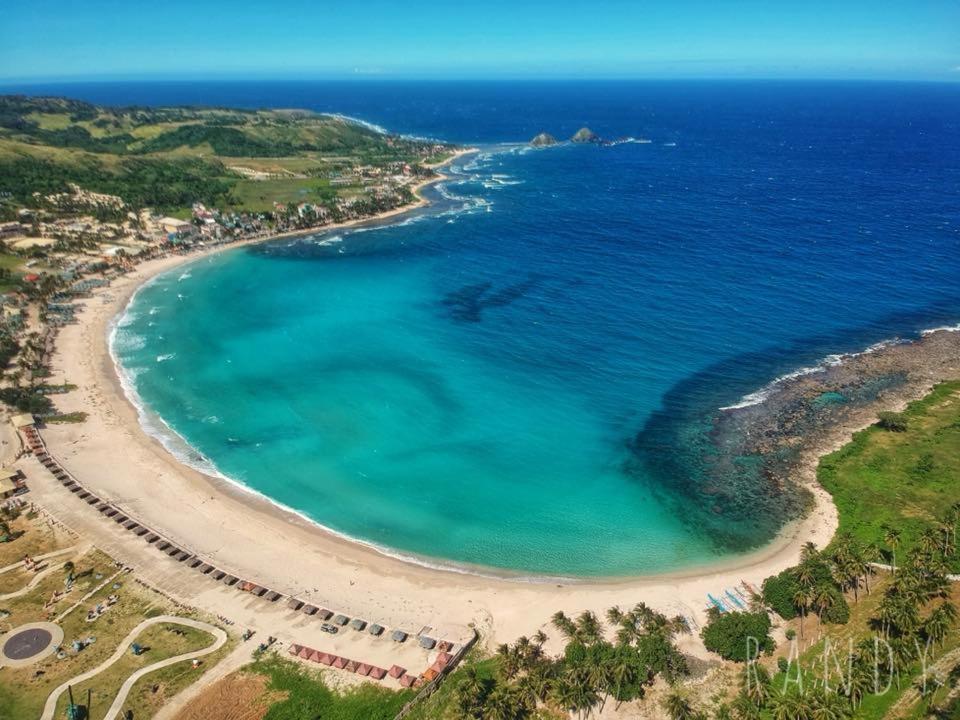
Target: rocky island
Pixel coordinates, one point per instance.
(543, 140)
(585, 135)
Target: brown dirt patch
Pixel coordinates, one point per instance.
(238, 696)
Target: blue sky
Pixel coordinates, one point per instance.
(63, 39)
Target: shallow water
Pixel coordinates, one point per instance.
(499, 380)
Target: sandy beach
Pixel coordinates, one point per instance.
(253, 538)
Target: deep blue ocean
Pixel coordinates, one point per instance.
(492, 381)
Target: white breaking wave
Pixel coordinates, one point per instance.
(945, 328)
(164, 358)
(758, 396)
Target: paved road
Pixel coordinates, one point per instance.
(221, 637)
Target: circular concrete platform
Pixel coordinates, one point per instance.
(27, 644)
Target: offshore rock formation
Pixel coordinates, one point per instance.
(585, 135)
(543, 140)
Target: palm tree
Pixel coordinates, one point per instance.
(624, 673)
(68, 568)
(614, 615)
(564, 624)
(678, 707)
(891, 536)
(755, 685)
(782, 706)
(806, 572)
(938, 624)
(589, 629)
(823, 601)
(503, 704)
(808, 551)
(802, 599)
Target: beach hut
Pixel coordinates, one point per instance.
(305, 652)
(92, 500)
(341, 620)
(259, 591)
(316, 656)
(358, 624)
(396, 671)
(131, 524)
(273, 596)
(74, 488)
(163, 545)
(140, 531)
(218, 575)
(430, 674)
(398, 636)
(326, 658)
(193, 563)
(83, 495)
(294, 649)
(443, 659)
(427, 643)
(363, 669)
(351, 666)
(377, 673)
(294, 604)
(407, 680)
(338, 662)
(324, 614)
(309, 609)
(229, 580)
(172, 551)
(103, 507)
(375, 630)
(151, 538)
(206, 568)
(444, 646)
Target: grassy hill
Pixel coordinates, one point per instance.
(170, 157)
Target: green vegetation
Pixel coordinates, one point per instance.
(521, 682)
(168, 158)
(892, 488)
(814, 584)
(63, 418)
(307, 696)
(160, 642)
(735, 634)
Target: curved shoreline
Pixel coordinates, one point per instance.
(251, 534)
(787, 536)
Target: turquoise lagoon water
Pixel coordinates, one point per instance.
(524, 377)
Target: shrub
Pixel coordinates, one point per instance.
(728, 634)
(894, 422)
(778, 593)
(782, 664)
(791, 633)
(839, 612)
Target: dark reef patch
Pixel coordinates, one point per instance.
(733, 473)
(468, 303)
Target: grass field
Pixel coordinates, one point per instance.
(904, 480)
(259, 195)
(23, 691)
(162, 643)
